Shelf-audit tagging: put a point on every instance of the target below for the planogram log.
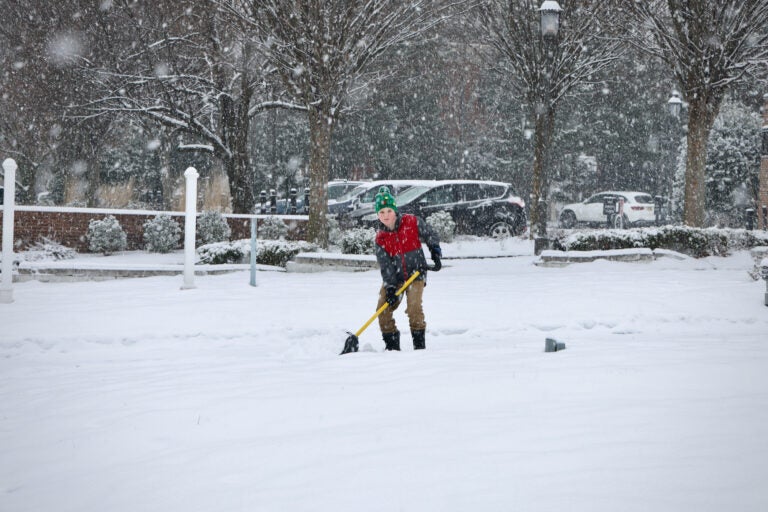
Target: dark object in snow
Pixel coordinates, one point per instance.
(352, 343)
(391, 340)
(419, 341)
(552, 345)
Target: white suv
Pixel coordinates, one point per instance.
(639, 209)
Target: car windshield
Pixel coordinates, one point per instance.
(644, 199)
(337, 190)
(370, 195)
(353, 193)
(411, 194)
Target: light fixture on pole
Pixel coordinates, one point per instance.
(543, 115)
(675, 104)
(550, 18)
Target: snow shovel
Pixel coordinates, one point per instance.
(352, 343)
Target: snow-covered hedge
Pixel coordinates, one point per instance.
(358, 241)
(695, 242)
(212, 227)
(268, 252)
(162, 234)
(106, 236)
(443, 224)
(47, 249)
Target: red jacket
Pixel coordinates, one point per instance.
(399, 252)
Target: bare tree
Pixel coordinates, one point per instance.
(189, 68)
(41, 44)
(543, 71)
(709, 46)
(323, 51)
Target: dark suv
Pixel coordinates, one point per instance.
(487, 208)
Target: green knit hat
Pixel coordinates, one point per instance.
(385, 200)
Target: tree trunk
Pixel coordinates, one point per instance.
(236, 126)
(320, 132)
(26, 175)
(544, 124)
(701, 117)
(241, 182)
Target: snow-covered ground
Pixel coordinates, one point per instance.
(134, 395)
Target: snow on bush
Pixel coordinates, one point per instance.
(695, 242)
(106, 236)
(358, 241)
(212, 227)
(47, 249)
(268, 252)
(273, 228)
(162, 234)
(443, 224)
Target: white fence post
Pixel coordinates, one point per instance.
(9, 200)
(190, 226)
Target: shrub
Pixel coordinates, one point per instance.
(212, 227)
(358, 241)
(443, 224)
(106, 236)
(280, 252)
(162, 234)
(273, 228)
(224, 252)
(695, 242)
(268, 252)
(47, 249)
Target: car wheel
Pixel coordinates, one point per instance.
(567, 219)
(500, 230)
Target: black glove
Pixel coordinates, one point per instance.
(392, 298)
(436, 253)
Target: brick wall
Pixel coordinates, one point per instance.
(68, 226)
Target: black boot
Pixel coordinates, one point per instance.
(391, 340)
(418, 340)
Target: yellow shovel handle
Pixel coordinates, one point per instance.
(386, 305)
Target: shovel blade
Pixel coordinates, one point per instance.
(351, 345)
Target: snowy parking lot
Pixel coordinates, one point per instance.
(135, 395)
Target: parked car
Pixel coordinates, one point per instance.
(639, 209)
(336, 189)
(488, 208)
(362, 196)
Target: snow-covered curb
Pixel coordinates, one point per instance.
(551, 258)
(321, 262)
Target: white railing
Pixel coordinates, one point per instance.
(9, 179)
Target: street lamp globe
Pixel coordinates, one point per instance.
(550, 18)
(675, 104)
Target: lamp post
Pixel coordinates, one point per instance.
(675, 104)
(544, 124)
(663, 190)
(550, 18)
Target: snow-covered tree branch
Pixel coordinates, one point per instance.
(542, 72)
(709, 46)
(322, 51)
